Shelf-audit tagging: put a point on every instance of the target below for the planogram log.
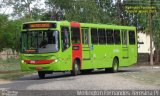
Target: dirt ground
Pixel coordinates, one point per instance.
(143, 73)
(133, 77)
(2, 81)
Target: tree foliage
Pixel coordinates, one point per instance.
(9, 33)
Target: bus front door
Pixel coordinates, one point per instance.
(86, 49)
(125, 50)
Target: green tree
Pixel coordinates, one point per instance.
(9, 33)
(92, 11)
(3, 25)
(156, 31)
(30, 9)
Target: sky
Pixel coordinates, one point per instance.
(9, 9)
(5, 10)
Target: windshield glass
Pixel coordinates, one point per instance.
(42, 41)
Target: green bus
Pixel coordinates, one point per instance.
(57, 46)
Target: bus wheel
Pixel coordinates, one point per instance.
(115, 65)
(41, 74)
(76, 69)
(114, 68)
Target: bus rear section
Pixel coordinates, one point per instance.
(108, 46)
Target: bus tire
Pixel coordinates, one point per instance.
(41, 74)
(76, 69)
(115, 66)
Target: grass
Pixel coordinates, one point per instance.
(14, 75)
(10, 69)
(9, 64)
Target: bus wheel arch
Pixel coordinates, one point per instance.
(115, 64)
(76, 67)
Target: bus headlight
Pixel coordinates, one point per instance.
(22, 61)
(56, 60)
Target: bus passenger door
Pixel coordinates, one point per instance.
(125, 54)
(86, 49)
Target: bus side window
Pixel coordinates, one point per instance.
(117, 36)
(131, 37)
(65, 38)
(102, 36)
(124, 38)
(85, 36)
(110, 34)
(94, 36)
(75, 35)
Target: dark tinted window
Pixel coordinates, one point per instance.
(117, 38)
(102, 36)
(94, 36)
(110, 34)
(75, 35)
(65, 38)
(131, 37)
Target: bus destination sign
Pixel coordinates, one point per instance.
(39, 25)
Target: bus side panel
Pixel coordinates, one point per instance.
(133, 50)
(117, 53)
(66, 60)
(132, 53)
(102, 55)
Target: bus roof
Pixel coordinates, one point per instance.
(92, 25)
(60, 22)
(107, 26)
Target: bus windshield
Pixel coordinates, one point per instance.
(40, 41)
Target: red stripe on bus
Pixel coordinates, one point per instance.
(38, 61)
(75, 24)
(76, 48)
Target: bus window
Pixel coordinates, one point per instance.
(75, 35)
(40, 41)
(124, 38)
(85, 36)
(131, 37)
(102, 36)
(65, 38)
(117, 38)
(110, 34)
(94, 36)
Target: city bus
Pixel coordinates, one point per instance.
(60, 46)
